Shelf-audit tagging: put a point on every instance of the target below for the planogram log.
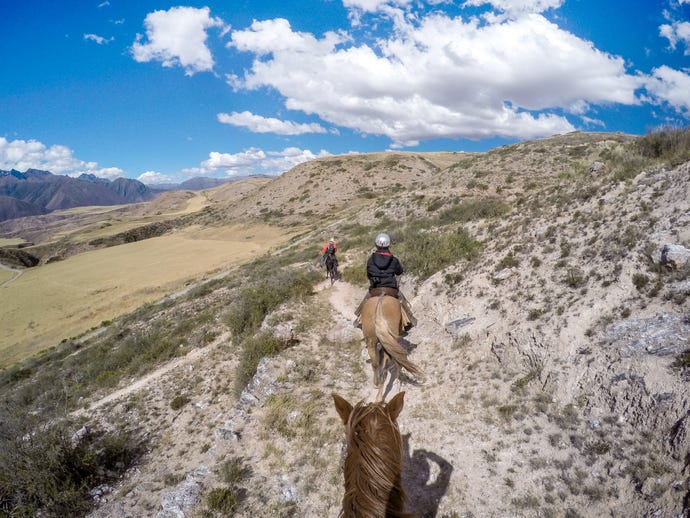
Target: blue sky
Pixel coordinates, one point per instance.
(164, 91)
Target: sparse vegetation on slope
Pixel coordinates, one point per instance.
(56, 382)
(550, 331)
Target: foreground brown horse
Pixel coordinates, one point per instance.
(373, 460)
(381, 319)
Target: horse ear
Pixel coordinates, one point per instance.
(342, 407)
(395, 405)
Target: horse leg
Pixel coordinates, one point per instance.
(373, 356)
(382, 372)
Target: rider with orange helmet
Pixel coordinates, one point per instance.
(329, 248)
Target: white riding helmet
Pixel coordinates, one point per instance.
(383, 240)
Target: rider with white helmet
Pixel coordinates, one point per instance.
(383, 240)
(382, 266)
(382, 271)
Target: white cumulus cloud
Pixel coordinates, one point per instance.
(98, 39)
(255, 161)
(667, 85)
(371, 6)
(518, 6)
(153, 178)
(677, 33)
(32, 154)
(177, 37)
(439, 76)
(259, 124)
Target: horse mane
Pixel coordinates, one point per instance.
(373, 464)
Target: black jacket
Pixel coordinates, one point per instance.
(382, 267)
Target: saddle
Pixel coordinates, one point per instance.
(391, 292)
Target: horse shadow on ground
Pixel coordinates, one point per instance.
(426, 477)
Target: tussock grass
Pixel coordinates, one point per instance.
(290, 416)
(223, 500)
(234, 471)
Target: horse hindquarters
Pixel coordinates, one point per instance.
(376, 354)
(387, 324)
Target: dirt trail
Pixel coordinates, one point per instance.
(151, 377)
(345, 297)
(17, 274)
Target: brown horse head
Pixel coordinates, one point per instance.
(381, 318)
(373, 459)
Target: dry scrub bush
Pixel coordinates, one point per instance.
(43, 471)
(257, 300)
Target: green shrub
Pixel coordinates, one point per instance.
(435, 204)
(472, 210)
(507, 411)
(640, 280)
(356, 275)
(424, 253)
(682, 361)
(521, 383)
(575, 278)
(233, 471)
(509, 261)
(535, 313)
(223, 500)
(178, 402)
(253, 350)
(255, 302)
(668, 143)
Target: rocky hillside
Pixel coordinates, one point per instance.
(550, 280)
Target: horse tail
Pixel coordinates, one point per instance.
(389, 341)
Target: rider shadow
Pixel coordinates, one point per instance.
(426, 478)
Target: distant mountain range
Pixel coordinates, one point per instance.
(35, 192)
(40, 192)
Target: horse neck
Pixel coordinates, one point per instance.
(373, 484)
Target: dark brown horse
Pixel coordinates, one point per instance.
(332, 272)
(381, 319)
(373, 460)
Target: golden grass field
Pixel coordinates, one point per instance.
(67, 298)
(10, 242)
(5, 275)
